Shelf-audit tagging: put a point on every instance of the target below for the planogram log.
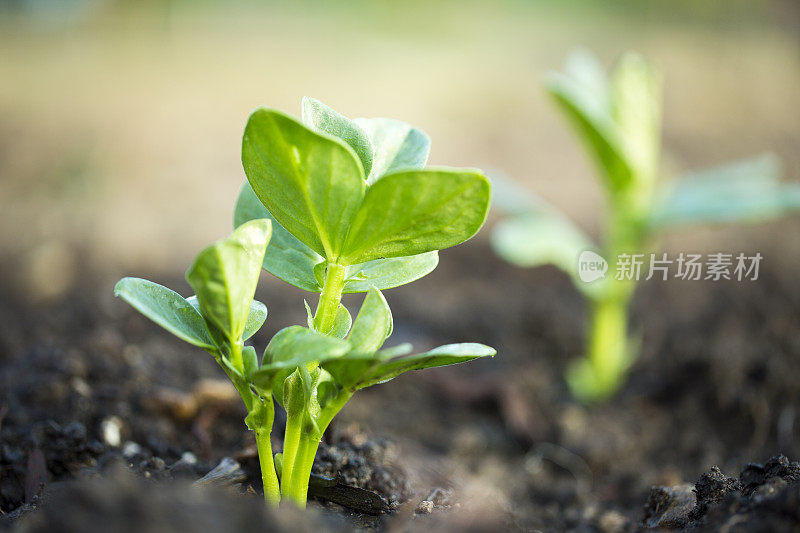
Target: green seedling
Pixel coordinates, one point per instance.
(332, 206)
(618, 120)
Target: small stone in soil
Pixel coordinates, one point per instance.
(424, 507)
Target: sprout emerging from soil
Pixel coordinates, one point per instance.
(332, 206)
(618, 120)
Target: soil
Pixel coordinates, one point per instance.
(105, 419)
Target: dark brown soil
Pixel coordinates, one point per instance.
(106, 419)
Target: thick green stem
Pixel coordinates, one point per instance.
(291, 447)
(608, 349)
(301, 443)
(330, 298)
(272, 491)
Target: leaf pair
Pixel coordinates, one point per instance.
(354, 192)
(357, 361)
(224, 276)
(297, 264)
(619, 120)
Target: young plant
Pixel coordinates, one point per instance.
(619, 122)
(349, 208)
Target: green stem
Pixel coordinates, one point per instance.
(236, 357)
(291, 446)
(302, 443)
(304, 462)
(608, 350)
(272, 492)
(330, 297)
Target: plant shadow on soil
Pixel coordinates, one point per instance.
(105, 419)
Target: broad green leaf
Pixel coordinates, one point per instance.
(417, 211)
(540, 236)
(397, 146)
(291, 348)
(357, 371)
(324, 119)
(255, 318)
(302, 345)
(286, 257)
(166, 308)
(589, 110)
(224, 277)
(746, 191)
(373, 324)
(389, 273)
(636, 100)
(312, 183)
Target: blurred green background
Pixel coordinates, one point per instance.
(121, 121)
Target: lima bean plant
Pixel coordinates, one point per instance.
(618, 120)
(332, 206)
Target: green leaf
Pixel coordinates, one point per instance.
(166, 308)
(542, 235)
(324, 119)
(746, 191)
(286, 257)
(417, 211)
(312, 183)
(341, 323)
(389, 273)
(302, 345)
(293, 347)
(373, 324)
(397, 146)
(582, 96)
(255, 318)
(636, 100)
(249, 361)
(357, 371)
(224, 277)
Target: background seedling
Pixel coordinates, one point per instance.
(618, 120)
(349, 208)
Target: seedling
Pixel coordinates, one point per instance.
(333, 206)
(619, 122)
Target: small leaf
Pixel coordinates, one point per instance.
(636, 100)
(746, 191)
(224, 277)
(302, 345)
(250, 361)
(312, 183)
(373, 324)
(166, 308)
(255, 318)
(286, 257)
(583, 96)
(442, 356)
(397, 146)
(417, 211)
(293, 347)
(389, 273)
(341, 323)
(357, 371)
(322, 118)
(541, 236)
